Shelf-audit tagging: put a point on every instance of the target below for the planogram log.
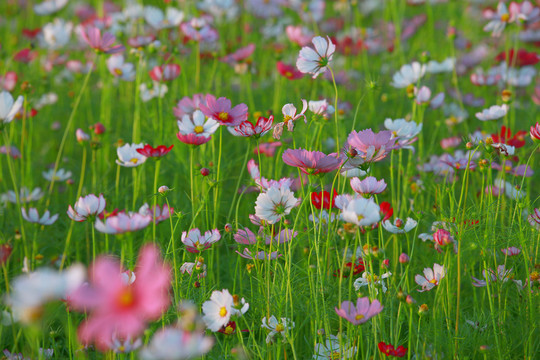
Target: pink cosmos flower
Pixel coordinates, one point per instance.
(534, 219)
(502, 275)
(221, 111)
(262, 127)
(122, 223)
(239, 54)
(87, 207)
(511, 251)
(92, 36)
(245, 237)
(535, 131)
(8, 81)
(167, 72)
(187, 105)
(431, 277)
(195, 242)
(157, 213)
(371, 146)
(289, 71)
(299, 35)
(289, 117)
(311, 162)
(117, 308)
(268, 149)
(261, 255)
(193, 139)
(520, 170)
(361, 313)
(368, 186)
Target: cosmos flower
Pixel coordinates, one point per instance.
(276, 327)
(158, 152)
(120, 69)
(122, 223)
(56, 35)
(431, 278)
(368, 186)
(373, 281)
(370, 146)
(101, 44)
(167, 72)
(389, 350)
(188, 105)
(316, 61)
(87, 207)
(289, 71)
(119, 309)
(275, 203)
(361, 312)
(409, 74)
(8, 107)
(262, 127)
(289, 117)
(59, 175)
(172, 343)
(195, 242)
(49, 7)
(398, 227)
(498, 22)
(335, 348)
(361, 212)
(33, 216)
(493, 113)
(128, 156)
(159, 20)
(197, 125)
(157, 90)
(221, 111)
(218, 310)
(311, 162)
(534, 219)
(157, 213)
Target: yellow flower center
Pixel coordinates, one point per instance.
(126, 298)
(280, 327)
(134, 160)
(121, 348)
(199, 129)
(360, 217)
(118, 71)
(287, 118)
(223, 116)
(288, 74)
(505, 17)
(433, 281)
(335, 355)
(359, 317)
(507, 168)
(229, 329)
(223, 311)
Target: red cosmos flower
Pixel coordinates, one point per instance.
(348, 269)
(348, 46)
(326, 202)
(31, 33)
(386, 210)
(505, 137)
(25, 56)
(247, 129)
(524, 58)
(157, 152)
(5, 252)
(389, 350)
(165, 72)
(289, 71)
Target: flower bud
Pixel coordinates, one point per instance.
(423, 309)
(98, 128)
(385, 263)
(228, 228)
(205, 172)
(163, 189)
(81, 136)
(403, 258)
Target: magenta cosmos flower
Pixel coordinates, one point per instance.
(119, 309)
(362, 312)
(156, 152)
(311, 162)
(247, 129)
(371, 146)
(165, 72)
(221, 111)
(196, 242)
(92, 36)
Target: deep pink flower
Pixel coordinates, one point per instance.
(221, 111)
(371, 146)
(167, 72)
(289, 71)
(535, 132)
(119, 309)
(239, 55)
(247, 129)
(92, 36)
(157, 152)
(311, 162)
(245, 236)
(268, 149)
(362, 312)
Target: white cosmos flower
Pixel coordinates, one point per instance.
(89, 205)
(25, 195)
(499, 20)
(56, 35)
(375, 281)
(361, 212)
(31, 291)
(274, 203)
(334, 348)
(120, 69)
(431, 277)
(158, 89)
(493, 113)
(276, 327)
(60, 175)
(49, 7)
(8, 107)
(316, 61)
(398, 227)
(172, 343)
(128, 155)
(434, 67)
(33, 216)
(408, 74)
(158, 20)
(198, 125)
(218, 310)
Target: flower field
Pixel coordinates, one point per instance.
(269, 179)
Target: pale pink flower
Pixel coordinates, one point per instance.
(289, 117)
(195, 242)
(165, 72)
(174, 343)
(371, 146)
(33, 216)
(511, 251)
(157, 213)
(86, 207)
(534, 219)
(261, 255)
(123, 222)
(299, 35)
(502, 275)
(92, 36)
(431, 278)
(368, 186)
(361, 312)
(187, 105)
(311, 162)
(245, 237)
(493, 113)
(119, 309)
